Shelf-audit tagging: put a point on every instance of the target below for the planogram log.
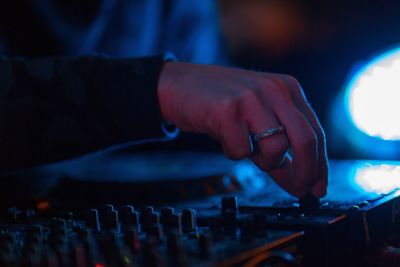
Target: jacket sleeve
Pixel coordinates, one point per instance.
(53, 109)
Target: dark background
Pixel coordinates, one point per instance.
(321, 43)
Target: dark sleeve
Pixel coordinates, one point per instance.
(52, 109)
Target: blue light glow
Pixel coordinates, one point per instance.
(379, 179)
(249, 175)
(372, 97)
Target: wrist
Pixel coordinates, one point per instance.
(164, 90)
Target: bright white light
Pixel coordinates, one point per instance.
(373, 97)
(380, 179)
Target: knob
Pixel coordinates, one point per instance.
(145, 215)
(129, 217)
(175, 223)
(229, 203)
(114, 221)
(188, 220)
(105, 209)
(92, 219)
(110, 220)
(149, 217)
(309, 203)
(165, 216)
(125, 211)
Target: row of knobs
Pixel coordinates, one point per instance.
(108, 230)
(126, 217)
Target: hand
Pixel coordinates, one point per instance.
(229, 104)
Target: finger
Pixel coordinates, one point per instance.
(299, 99)
(284, 176)
(272, 149)
(303, 143)
(235, 139)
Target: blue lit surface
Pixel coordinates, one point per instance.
(372, 97)
(379, 179)
(250, 176)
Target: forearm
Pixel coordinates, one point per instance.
(55, 109)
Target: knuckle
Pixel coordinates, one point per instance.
(278, 91)
(251, 95)
(248, 101)
(227, 104)
(224, 109)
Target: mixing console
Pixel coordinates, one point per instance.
(190, 209)
(125, 236)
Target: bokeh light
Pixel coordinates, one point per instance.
(379, 179)
(372, 97)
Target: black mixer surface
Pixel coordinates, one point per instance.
(125, 236)
(199, 198)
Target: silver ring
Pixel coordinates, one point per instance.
(269, 132)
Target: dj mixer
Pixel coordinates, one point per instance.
(195, 209)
